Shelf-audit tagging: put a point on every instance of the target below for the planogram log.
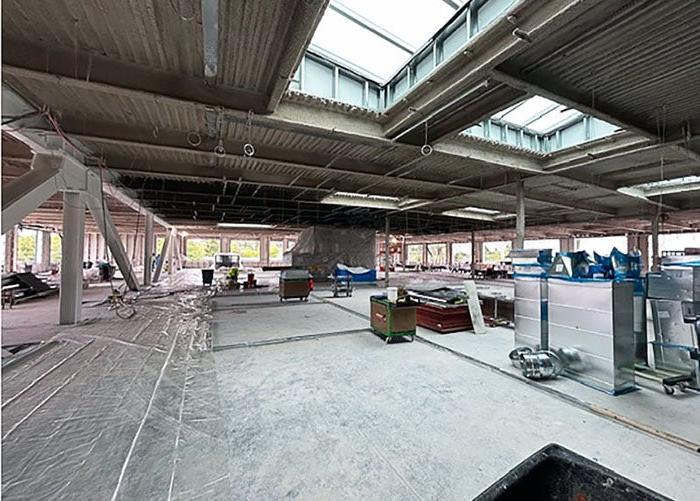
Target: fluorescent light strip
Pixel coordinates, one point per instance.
(664, 187)
(372, 201)
(245, 225)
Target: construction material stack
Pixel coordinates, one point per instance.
(530, 269)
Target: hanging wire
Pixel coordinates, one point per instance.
(248, 148)
(426, 149)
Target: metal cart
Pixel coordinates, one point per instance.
(294, 284)
(390, 320)
(342, 285)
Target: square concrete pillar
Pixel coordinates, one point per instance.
(72, 246)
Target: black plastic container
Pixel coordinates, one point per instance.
(207, 277)
(556, 473)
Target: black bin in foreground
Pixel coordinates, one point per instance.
(207, 277)
(556, 473)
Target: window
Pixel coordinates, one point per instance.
(276, 252)
(56, 248)
(461, 253)
(454, 40)
(601, 245)
(318, 79)
(26, 246)
(550, 243)
(415, 254)
(677, 241)
(495, 252)
(291, 244)
(491, 10)
(350, 90)
(437, 254)
(199, 249)
(249, 250)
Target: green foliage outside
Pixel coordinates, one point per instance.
(56, 242)
(437, 254)
(461, 257)
(199, 249)
(249, 250)
(26, 248)
(495, 252)
(276, 250)
(415, 254)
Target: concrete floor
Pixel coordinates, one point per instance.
(140, 409)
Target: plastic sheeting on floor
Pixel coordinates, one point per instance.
(118, 409)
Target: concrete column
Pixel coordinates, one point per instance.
(10, 249)
(404, 253)
(264, 250)
(639, 243)
(172, 242)
(448, 254)
(148, 250)
(655, 258)
(387, 254)
(225, 244)
(163, 255)
(566, 244)
(45, 251)
(424, 254)
(71, 291)
(519, 241)
(183, 248)
(476, 250)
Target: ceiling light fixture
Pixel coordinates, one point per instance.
(478, 213)
(664, 187)
(245, 225)
(372, 201)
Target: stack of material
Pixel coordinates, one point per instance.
(24, 286)
(444, 310)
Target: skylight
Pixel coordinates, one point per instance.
(540, 124)
(538, 114)
(380, 37)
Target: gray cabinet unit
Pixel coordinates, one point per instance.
(592, 322)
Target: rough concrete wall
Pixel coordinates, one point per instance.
(320, 248)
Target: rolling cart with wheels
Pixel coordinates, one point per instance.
(294, 284)
(393, 320)
(342, 285)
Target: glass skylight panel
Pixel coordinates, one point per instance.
(526, 111)
(346, 39)
(414, 21)
(553, 119)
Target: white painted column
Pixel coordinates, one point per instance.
(148, 250)
(519, 241)
(387, 259)
(71, 291)
(45, 251)
(172, 242)
(655, 259)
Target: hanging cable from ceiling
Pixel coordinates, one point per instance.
(426, 149)
(248, 148)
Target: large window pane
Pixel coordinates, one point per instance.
(462, 254)
(318, 79)
(199, 249)
(491, 10)
(601, 245)
(249, 250)
(437, 254)
(495, 252)
(350, 90)
(276, 252)
(415, 254)
(340, 36)
(454, 41)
